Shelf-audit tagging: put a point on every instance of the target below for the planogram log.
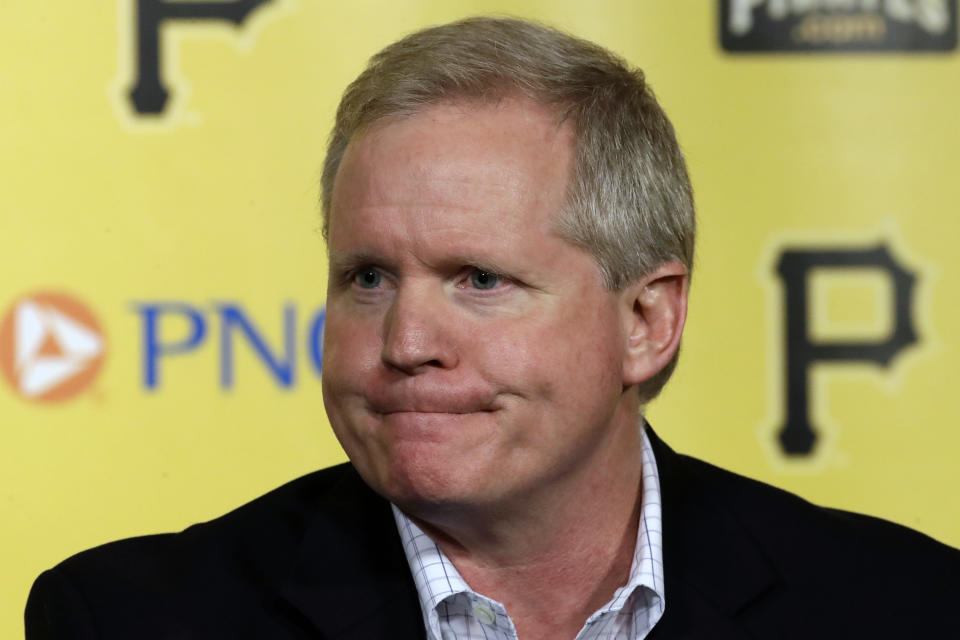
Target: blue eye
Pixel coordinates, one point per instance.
(484, 279)
(368, 278)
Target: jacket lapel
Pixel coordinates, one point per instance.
(712, 569)
(351, 579)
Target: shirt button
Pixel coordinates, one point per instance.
(484, 614)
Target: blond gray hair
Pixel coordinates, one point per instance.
(630, 203)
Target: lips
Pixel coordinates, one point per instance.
(444, 400)
(418, 427)
(430, 406)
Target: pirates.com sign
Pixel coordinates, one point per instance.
(838, 25)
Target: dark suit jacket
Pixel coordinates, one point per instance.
(320, 558)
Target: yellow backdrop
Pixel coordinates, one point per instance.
(146, 257)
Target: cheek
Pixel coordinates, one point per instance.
(511, 356)
(553, 357)
(351, 350)
(350, 353)
(346, 334)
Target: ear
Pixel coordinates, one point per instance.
(654, 310)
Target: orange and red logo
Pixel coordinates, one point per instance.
(51, 347)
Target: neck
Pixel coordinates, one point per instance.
(567, 552)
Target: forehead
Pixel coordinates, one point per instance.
(512, 158)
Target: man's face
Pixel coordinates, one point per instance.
(471, 356)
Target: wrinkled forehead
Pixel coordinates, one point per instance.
(563, 115)
(512, 153)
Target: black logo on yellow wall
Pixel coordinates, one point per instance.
(838, 25)
(797, 435)
(149, 94)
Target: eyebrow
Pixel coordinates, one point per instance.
(353, 260)
(485, 263)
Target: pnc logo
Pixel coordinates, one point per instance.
(51, 347)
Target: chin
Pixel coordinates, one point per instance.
(424, 481)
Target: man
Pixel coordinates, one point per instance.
(510, 231)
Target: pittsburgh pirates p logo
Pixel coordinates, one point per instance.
(797, 435)
(149, 94)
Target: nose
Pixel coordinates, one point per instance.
(418, 334)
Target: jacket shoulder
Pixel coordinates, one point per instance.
(827, 547)
(281, 515)
(745, 554)
(227, 564)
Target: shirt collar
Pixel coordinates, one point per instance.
(437, 580)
